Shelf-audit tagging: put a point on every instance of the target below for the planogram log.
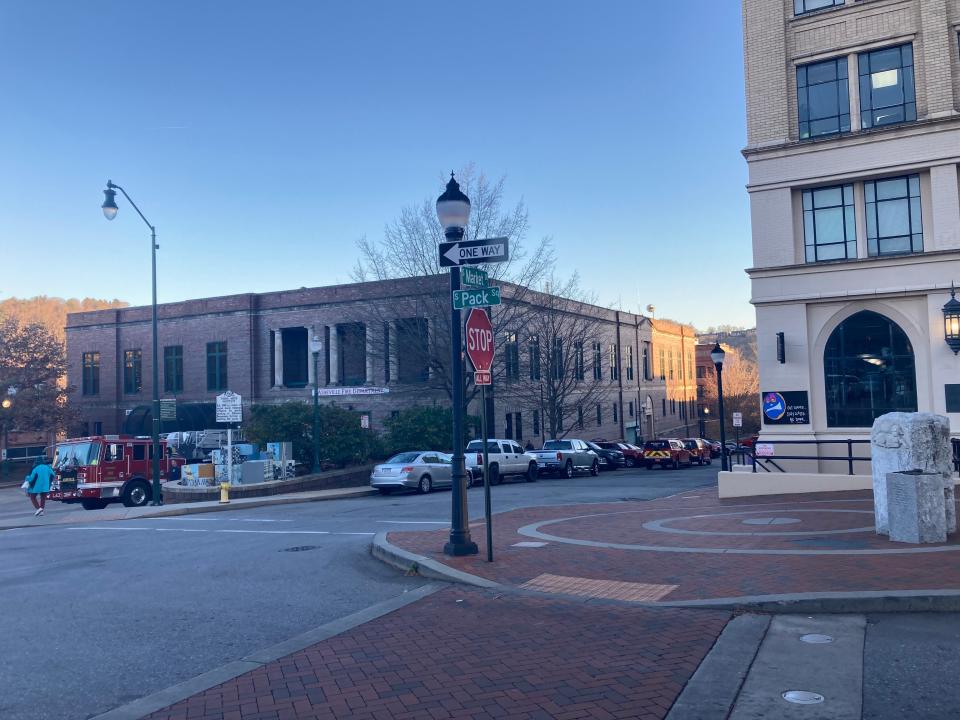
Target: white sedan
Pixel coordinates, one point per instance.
(420, 470)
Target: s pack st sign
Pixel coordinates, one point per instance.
(475, 298)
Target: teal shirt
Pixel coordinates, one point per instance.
(40, 479)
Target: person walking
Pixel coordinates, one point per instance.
(38, 483)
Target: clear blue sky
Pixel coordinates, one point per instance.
(262, 139)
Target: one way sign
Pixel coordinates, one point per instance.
(474, 252)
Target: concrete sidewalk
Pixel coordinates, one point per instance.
(119, 512)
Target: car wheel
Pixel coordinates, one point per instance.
(568, 470)
(649, 466)
(136, 494)
(631, 462)
(93, 504)
(675, 465)
(532, 472)
(384, 491)
(425, 485)
(495, 474)
(595, 468)
(709, 461)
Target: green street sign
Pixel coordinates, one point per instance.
(476, 298)
(471, 277)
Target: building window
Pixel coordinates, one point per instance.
(629, 362)
(894, 223)
(663, 364)
(664, 401)
(614, 365)
(508, 427)
(386, 353)
(413, 346)
(597, 362)
(823, 100)
(352, 353)
(216, 366)
(804, 6)
(701, 372)
(536, 422)
(670, 363)
(829, 224)
(534, 353)
(173, 368)
(295, 362)
(91, 373)
(689, 366)
(580, 417)
(616, 415)
(578, 364)
(511, 357)
(630, 408)
(132, 371)
(98, 428)
(887, 93)
(869, 370)
(599, 415)
(556, 359)
(646, 361)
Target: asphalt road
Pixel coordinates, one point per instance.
(96, 615)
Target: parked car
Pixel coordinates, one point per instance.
(420, 470)
(611, 457)
(668, 453)
(632, 455)
(565, 457)
(714, 446)
(700, 451)
(505, 459)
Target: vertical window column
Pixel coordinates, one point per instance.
(278, 358)
(333, 357)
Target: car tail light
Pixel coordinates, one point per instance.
(479, 459)
(408, 468)
(559, 456)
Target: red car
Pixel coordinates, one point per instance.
(631, 453)
(666, 453)
(700, 451)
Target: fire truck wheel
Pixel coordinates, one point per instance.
(94, 504)
(136, 494)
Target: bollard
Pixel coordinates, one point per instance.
(224, 492)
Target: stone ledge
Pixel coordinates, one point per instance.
(334, 479)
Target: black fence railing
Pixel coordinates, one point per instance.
(768, 462)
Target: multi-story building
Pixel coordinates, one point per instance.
(853, 150)
(674, 347)
(377, 335)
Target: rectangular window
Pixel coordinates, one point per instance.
(616, 413)
(132, 371)
(629, 362)
(894, 222)
(413, 345)
(631, 409)
(536, 422)
(580, 417)
(511, 357)
(887, 94)
(823, 98)
(804, 6)
(646, 362)
(689, 366)
(352, 354)
(518, 426)
(216, 366)
(91, 373)
(534, 352)
(98, 428)
(508, 427)
(556, 359)
(663, 364)
(670, 363)
(664, 406)
(829, 224)
(173, 368)
(578, 364)
(597, 362)
(599, 415)
(614, 365)
(386, 353)
(295, 357)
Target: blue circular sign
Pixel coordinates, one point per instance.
(774, 406)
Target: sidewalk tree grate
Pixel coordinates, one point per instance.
(300, 548)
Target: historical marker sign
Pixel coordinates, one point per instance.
(473, 278)
(474, 252)
(479, 336)
(168, 408)
(476, 297)
(229, 408)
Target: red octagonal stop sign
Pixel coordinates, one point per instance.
(479, 340)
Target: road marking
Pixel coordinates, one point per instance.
(259, 520)
(415, 522)
(353, 533)
(110, 528)
(179, 529)
(276, 532)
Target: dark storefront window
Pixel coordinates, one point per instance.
(868, 371)
(295, 357)
(132, 371)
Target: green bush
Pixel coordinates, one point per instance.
(342, 440)
(422, 428)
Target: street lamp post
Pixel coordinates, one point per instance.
(316, 345)
(717, 355)
(453, 211)
(704, 414)
(109, 208)
(6, 404)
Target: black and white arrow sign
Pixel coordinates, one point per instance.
(474, 252)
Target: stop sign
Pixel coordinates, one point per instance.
(479, 340)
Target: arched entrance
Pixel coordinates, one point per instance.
(869, 370)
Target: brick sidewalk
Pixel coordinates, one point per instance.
(803, 544)
(469, 653)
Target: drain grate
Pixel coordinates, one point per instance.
(300, 548)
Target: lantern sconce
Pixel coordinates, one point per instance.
(951, 321)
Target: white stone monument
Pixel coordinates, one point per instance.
(911, 441)
(916, 510)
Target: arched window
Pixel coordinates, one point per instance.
(869, 370)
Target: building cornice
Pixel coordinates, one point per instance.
(933, 256)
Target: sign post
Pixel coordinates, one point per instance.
(480, 349)
(229, 410)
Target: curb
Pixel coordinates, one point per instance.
(866, 601)
(414, 564)
(200, 683)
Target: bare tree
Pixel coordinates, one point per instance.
(741, 392)
(408, 249)
(560, 334)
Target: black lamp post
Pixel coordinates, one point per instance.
(453, 211)
(316, 345)
(6, 404)
(110, 212)
(717, 355)
(951, 321)
(704, 414)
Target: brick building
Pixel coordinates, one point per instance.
(853, 150)
(375, 334)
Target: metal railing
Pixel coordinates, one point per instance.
(766, 462)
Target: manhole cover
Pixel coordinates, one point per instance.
(816, 639)
(300, 548)
(770, 521)
(802, 697)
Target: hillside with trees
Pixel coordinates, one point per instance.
(51, 312)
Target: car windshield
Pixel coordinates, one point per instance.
(657, 445)
(76, 455)
(400, 458)
(557, 445)
(477, 446)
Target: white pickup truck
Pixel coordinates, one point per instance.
(565, 457)
(505, 457)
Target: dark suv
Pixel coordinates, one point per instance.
(611, 458)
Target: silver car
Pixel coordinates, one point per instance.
(420, 470)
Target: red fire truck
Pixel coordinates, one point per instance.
(96, 471)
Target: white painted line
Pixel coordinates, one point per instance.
(259, 520)
(415, 522)
(529, 544)
(276, 532)
(352, 533)
(111, 528)
(181, 529)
